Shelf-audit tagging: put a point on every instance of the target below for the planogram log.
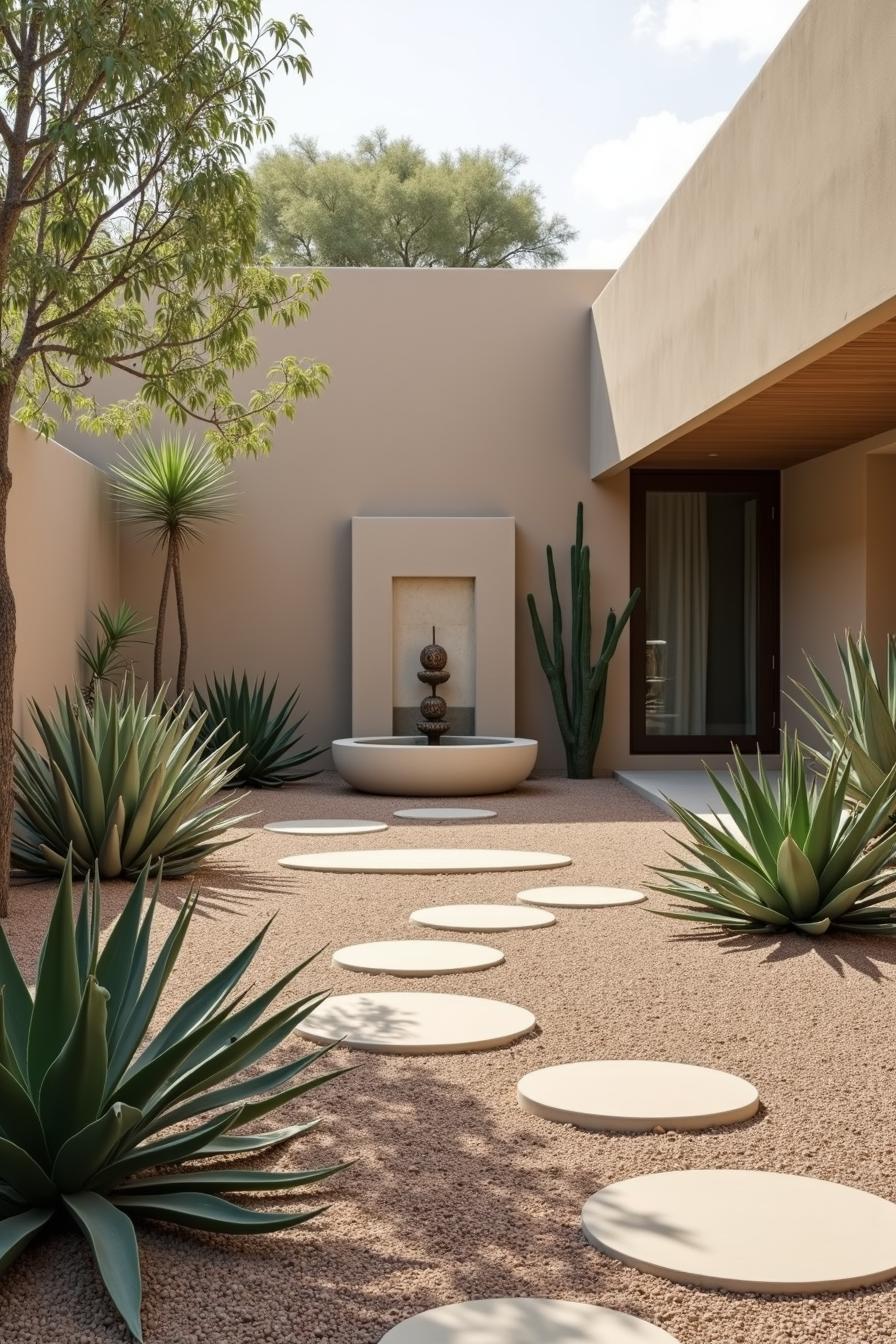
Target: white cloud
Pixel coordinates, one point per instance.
(645, 166)
(608, 252)
(753, 26)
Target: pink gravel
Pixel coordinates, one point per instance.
(458, 1193)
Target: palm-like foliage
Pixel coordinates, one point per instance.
(103, 658)
(262, 739)
(85, 1110)
(865, 726)
(170, 490)
(799, 861)
(122, 781)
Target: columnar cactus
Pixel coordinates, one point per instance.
(579, 706)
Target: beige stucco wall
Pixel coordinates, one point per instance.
(776, 246)
(453, 393)
(62, 546)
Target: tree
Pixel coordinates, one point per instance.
(128, 230)
(387, 204)
(169, 490)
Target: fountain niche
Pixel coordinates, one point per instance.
(458, 741)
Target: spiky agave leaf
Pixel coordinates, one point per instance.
(863, 725)
(120, 782)
(263, 738)
(88, 1108)
(792, 858)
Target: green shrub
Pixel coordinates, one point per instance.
(121, 782)
(103, 658)
(86, 1111)
(798, 861)
(262, 739)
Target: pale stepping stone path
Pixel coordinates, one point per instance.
(748, 1231)
(416, 1024)
(482, 918)
(525, 1320)
(584, 898)
(326, 826)
(444, 813)
(417, 956)
(635, 1095)
(425, 861)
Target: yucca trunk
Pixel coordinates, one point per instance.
(7, 662)
(180, 685)
(160, 626)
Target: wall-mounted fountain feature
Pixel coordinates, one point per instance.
(433, 660)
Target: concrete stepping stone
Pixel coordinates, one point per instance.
(525, 1320)
(326, 826)
(635, 1095)
(425, 861)
(444, 813)
(482, 918)
(584, 898)
(748, 1231)
(417, 956)
(416, 1024)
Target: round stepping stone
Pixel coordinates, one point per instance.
(585, 898)
(482, 918)
(326, 826)
(525, 1320)
(634, 1095)
(749, 1231)
(416, 1024)
(417, 956)
(425, 861)
(445, 813)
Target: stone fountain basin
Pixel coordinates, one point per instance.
(459, 767)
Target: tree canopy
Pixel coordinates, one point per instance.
(388, 204)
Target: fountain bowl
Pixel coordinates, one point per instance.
(459, 767)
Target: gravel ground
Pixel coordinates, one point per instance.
(458, 1193)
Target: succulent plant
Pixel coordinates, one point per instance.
(865, 726)
(86, 1113)
(123, 781)
(793, 858)
(578, 706)
(103, 658)
(262, 739)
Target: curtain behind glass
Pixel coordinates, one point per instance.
(678, 608)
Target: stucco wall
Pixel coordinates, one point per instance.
(62, 546)
(453, 392)
(776, 246)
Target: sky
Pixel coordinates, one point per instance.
(609, 100)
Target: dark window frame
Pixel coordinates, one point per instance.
(767, 488)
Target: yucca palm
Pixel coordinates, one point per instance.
(170, 490)
(121, 782)
(88, 1109)
(103, 658)
(263, 739)
(864, 726)
(795, 860)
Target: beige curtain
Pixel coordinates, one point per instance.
(678, 607)
(750, 539)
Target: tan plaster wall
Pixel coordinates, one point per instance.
(63, 557)
(776, 246)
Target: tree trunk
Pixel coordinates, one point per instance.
(181, 624)
(7, 667)
(160, 626)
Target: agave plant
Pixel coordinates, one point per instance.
(796, 859)
(263, 740)
(123, 781)
(85, 1110)
(865, 726)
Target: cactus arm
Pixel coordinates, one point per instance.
(556, 681)
(557, 613)
(612, 636)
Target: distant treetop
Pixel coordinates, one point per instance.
(387, 204)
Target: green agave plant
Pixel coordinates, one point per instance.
(85, 1112)
(263, 740)
(865, 726)
(799, 861)
(122, 781)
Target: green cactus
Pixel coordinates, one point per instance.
(579, 706)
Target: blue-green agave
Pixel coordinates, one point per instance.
(261, 740)
(87, 1108)
(797, 859)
